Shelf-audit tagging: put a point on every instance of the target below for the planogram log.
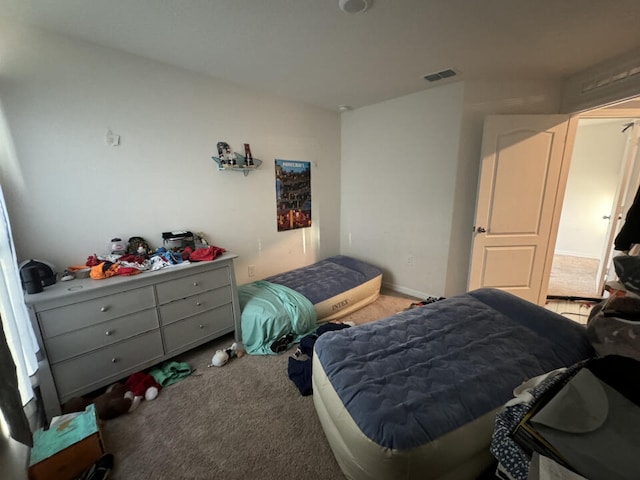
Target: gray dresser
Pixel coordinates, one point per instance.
(95, 332)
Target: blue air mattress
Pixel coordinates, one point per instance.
(406, 384)
(328, 278)
(333, 287)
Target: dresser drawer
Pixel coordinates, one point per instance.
(187, 286)
(198, 328)
(194, 305)
(69, 345)
(78, 315)
(85, 373)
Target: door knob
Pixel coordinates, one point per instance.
(480, 230)
(606, 217)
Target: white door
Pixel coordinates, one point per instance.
(621, 202)
(520, 192)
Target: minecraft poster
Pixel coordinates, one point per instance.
(293, 194)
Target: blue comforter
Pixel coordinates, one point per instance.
(413, 377)
(327, 278)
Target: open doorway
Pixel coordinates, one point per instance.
(595, 190)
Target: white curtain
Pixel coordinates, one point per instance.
(15, 319)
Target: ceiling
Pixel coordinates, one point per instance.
(310, 50)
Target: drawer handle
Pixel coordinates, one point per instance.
(201, 326)
(108, 332)
(195, 284)
(104, 309)
(198, 304)
(114, 360)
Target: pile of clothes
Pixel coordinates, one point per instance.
(138, 257)
(299, 367)
(583, 418)
(613, 326)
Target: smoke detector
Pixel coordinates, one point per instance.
(354, 6)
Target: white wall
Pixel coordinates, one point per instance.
(409, 178)
(594, 175)
(398, 174)
(68, 192)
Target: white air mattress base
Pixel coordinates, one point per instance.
(348, 302)
(458, 455)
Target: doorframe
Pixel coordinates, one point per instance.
(628, 180)
(557, 209)
(605, 111)
(609, 112)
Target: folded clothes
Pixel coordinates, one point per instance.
(208, 253)
(127, 271)
(170, 372)
(103, 270)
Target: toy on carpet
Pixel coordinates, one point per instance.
(111, 404)
(141, 385)
(221, 357)
(119, 398)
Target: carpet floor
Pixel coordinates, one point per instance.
(242, 421)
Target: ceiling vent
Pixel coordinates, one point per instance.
(354, 6)
(434, 77)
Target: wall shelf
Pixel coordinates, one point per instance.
(240, 165)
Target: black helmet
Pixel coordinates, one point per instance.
(46, 271)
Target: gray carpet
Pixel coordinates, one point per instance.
(242, 421)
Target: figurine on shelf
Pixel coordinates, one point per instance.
(231, 158)
(222, 152)
(248, 158)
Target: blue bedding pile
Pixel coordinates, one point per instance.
(413, 377)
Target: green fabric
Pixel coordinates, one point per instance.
(49, 442)
(170, 372)
(271, 311)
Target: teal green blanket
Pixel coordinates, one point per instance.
(271, 311)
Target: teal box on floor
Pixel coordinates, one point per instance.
(67, 448)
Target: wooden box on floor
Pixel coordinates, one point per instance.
(67, 449)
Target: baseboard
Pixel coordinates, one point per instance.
(406, 291)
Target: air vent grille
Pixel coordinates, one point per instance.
(605, 83)
(609, 78)
(434, 77)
